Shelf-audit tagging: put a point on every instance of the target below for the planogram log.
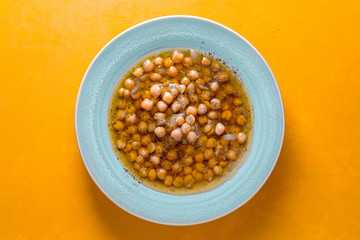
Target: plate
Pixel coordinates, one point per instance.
(95, 94)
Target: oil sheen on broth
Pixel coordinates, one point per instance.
(180, 121)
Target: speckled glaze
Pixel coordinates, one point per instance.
(92, 112)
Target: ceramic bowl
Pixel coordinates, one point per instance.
(94, 141)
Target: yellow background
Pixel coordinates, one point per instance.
(313, 48)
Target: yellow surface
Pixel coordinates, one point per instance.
(313, 47)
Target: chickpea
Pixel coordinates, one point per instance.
(209, 129)
(187, 62)
(131, 130)
(191, 137)
(175, 107)
(174, 92)
(231, 155)
(161, 174)
(156, 90)
(221, 77)
(208, 175)
(126, 93)
(147, 104)
(135, 145)
(208, 153)
(213, 115)
(146, 140)
(135, 95)
(136, 136)
(120, 144)
(131, 119)
(180, 120)
(214, 86)
(160, 70)
(152, 174)
(188, 160)
(151, 127)
(191, 110)
(121, 92)
(172, 155)
(185, 81)
(202, 119)
(143, 152)
(137, 166)
(215, 67)
(193, 75)
(138, 72)
(189, 181)
(121, 104)
(199, 177)
(161, 106)
(172, 71)
(212, 163)
(154, 159)
(199, 157)
(202, 140)
(151, 147)
(176, 168)
(128, 147)
(177, 57)
(160, 132)
(148, 65)
(140, 160)
(124, 136)
(219, 129)
(142, 127)
(168, 62)
(168, 97)
(224, 142)
(129, 84)
(199, 167)
(205, 62)
(159, 116)
(120, 114)
(190, 149)
(187, 170)
(158, 61)
(143, 172)
(223, 163)
(241, 120)
(190, 119)
(119, 125)
(132, 155)
(176, 134)
(237, 102)
(159, 149)
(218, 170)
(211, 143)
(178, 181)
(229, 89)
(241, 138)
(206, 95)
(215, 104)
(226, 115)
(168, 180)
(131, 109)
(156, 77)
(202, 109)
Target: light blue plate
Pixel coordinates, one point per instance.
(92, 111)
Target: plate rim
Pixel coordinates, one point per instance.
(278, 93)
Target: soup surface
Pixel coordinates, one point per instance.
(180, 121)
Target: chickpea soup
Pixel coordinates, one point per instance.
(180, 121)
